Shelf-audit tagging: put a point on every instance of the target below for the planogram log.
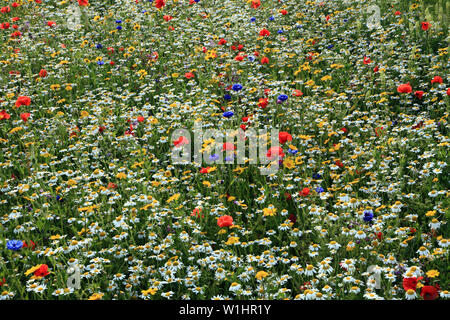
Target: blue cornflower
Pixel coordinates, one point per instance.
(292, 151)
(213, 157)
(228, 114)
(118, 21)
(14, 245)
(368, 216)
(227, 97)
(316, 176)
(319, 189)
(251, 58)
(280, 31)
(101, 62)
(271, 18)
(330, 46)
(237, 87)
(99, 46)
(119, 27)
(282, 97)
(58, 198)
(253, 19)
(228, 159)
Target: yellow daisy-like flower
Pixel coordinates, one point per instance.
(14, 130)
(173, 198)
(232, 240)
(289, 163)
(270, 211)
(432, 273)
(96, 296)
(150, 291)
(71, 182)
(121, 175)
(261, 275)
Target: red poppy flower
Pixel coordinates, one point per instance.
(159, 3)
(42, 271)
(339, 164)
(181, 141)
(4, 115)
(25, 116)
(51, 23)
(404, 88)
(283, 12)
(140, 119)
(448, 91)
(283, 137)
(43, 73)
(167, 17)
(367, 60)
(225, 221)
(204, 170)
(288, 196)
(83, 2)
(275, 152)
(228, 146)
(31, 244)
(429, 293)
(222, 41)
(243, 127)
(379, 236)
(397, 13)
(425, 26)
(418, 94)
(376, 69)
(437, 79)
(196, 212)
(239, 58)
(264, 60)
(297, 93)
(410, 283)
(23, 101)
(189, 75)
(263, 102)
(256, 4)
(112, 185)
(264, 33)
(304, 192)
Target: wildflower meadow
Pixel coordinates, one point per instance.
(224, 150)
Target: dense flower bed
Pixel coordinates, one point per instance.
(91, 92)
